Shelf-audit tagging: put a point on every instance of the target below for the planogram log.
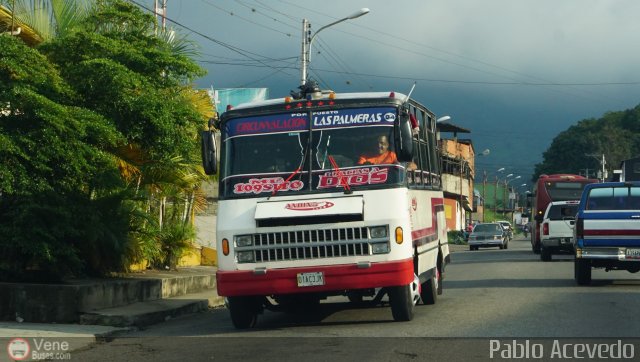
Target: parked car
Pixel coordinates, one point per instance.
(508, 228)
(488, 235)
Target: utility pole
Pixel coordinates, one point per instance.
(162, 12)
(603, 172)
(484, 193)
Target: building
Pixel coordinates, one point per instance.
(630, 169)
(458, 174)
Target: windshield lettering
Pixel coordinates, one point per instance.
(257, 126)
(265, 185)
(346, 117)
(354, 177)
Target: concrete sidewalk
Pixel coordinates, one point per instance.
(119, 305)
(81, 312)
(71, 337)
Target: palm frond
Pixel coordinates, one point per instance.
(68, 13)
(179, 44)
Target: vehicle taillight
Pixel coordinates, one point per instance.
(579, 228)
(545, 229)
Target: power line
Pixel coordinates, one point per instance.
(234, 49)
(245, 19)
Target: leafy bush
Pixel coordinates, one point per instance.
(456, 237)
(175, 241)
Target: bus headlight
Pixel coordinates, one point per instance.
(244, 240)
(378, 232)
(380, 248)
(245, 257)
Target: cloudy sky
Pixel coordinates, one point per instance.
(514, 72)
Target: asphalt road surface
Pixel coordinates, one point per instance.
(496, 303)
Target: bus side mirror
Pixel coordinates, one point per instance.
(404, 138)
(208, 148)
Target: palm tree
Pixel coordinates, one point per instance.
(43, 20)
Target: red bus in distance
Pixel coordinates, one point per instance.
(548, 188)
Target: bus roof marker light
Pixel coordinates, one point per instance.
(392, 95)
(229, 107)
(332, 95)
(287, 99)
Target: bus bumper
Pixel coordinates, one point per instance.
(336, 278)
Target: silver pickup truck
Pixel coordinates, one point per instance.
(607, 229)
(557, 229)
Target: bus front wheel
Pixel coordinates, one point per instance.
(244, 311)
(401, 301)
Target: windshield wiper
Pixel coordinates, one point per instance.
(326, 152)
(342, 180)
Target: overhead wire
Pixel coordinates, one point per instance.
(243, 52)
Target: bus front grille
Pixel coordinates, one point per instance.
(309, 244)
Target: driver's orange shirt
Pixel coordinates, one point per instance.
(387, 157)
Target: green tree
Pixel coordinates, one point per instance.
(615, 134)
(52, 157)
(138, 146)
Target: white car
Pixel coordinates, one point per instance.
(486, 235)
(507, 228)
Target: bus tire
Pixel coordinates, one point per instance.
(401, 303)
(582, 271)
(440, 276)
(535, 248)
(429, 290)
(244, 311)
(545, 254)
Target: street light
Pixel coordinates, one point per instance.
(495, 193)
(443, 118)
(308, 40)
(506, 188)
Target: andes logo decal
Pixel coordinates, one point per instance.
(309, 205)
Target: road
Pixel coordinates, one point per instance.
(488, 294)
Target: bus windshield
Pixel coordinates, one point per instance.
(562, 191)
(261, 154)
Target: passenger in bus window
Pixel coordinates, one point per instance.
(383, 156)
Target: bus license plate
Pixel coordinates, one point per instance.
(633, 254)
(310, 279)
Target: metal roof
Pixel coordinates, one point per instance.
(450, 127)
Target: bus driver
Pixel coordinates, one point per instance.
(384, 156)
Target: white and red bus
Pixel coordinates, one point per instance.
(300, 219)
(549, 188)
